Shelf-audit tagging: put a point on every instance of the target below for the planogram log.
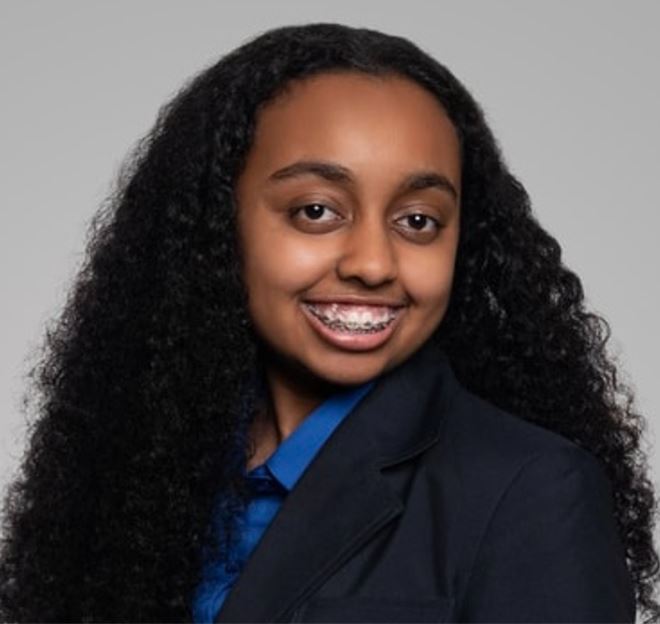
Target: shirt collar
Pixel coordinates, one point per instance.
(296, 452)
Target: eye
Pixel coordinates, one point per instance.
(419, 226)
(315, 217)
(317, 212)
(420, 222)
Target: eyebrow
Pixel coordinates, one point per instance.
(333, 172)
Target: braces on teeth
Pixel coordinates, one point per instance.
(354, 326)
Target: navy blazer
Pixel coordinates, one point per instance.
(428, 504)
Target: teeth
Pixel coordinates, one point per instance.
(354, 318)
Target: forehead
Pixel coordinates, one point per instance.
(355, 118)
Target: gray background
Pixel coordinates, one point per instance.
(572, 90)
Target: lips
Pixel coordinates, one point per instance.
(353, 326)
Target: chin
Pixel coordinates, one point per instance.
(348, 371)
(345, 378)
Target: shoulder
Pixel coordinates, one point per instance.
(544, 543)
(526, 510)
(467, 451)
(483, 439)
(492, 466)
(464, 424)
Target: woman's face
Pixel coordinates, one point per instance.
(349, 223)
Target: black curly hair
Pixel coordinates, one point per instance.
(145, 383)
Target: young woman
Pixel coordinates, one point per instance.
(323, 364)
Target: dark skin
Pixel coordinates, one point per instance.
(350, 195)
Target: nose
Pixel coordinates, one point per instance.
(368, 255)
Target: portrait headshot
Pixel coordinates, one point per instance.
(338, 313)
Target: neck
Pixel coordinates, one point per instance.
(292, 394)
(291, 399)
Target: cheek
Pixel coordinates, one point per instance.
(278, 265)
(427, 278)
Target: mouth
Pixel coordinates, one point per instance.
(348, 318)
(354, 327)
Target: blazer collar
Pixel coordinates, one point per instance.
(343, 498)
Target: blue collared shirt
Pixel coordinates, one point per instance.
(270, 483)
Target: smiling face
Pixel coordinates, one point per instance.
(349, 220)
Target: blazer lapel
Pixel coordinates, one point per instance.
(343, 497)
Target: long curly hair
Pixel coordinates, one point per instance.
(145, 383)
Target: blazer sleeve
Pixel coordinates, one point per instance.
(551, 552)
